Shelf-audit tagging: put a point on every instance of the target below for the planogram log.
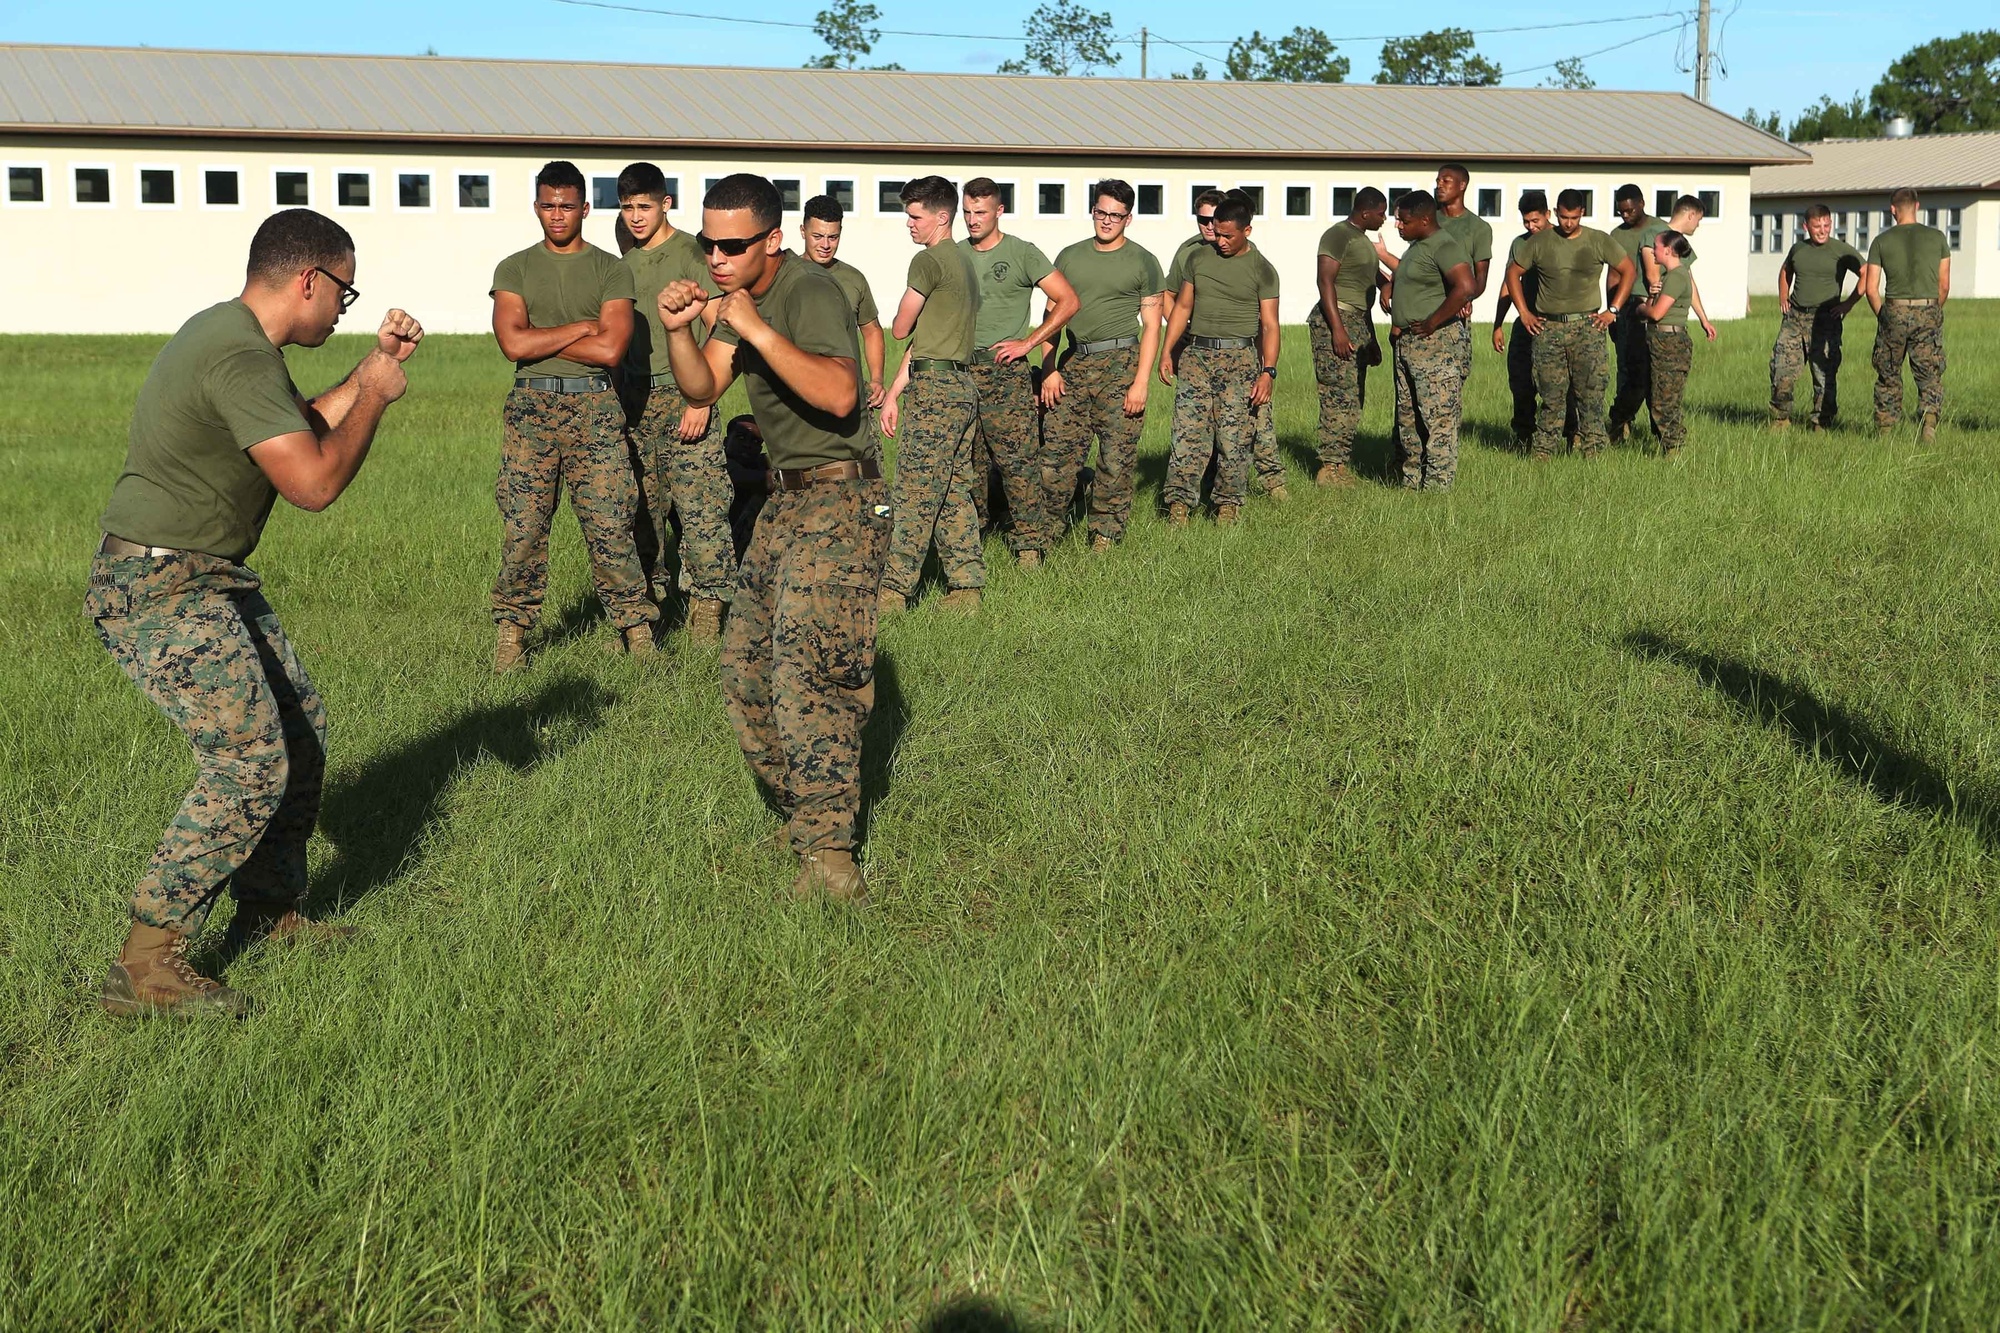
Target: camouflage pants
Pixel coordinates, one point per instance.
(933, 491)
(691, 477)
(1807, 338)
(1458, 334)
(1570, 375)
(1343, 385)
(1010, 429)
(1631, 336)
(1092, 407)
(1264, 456)
(798, 653)
(573, 439)
(1916, 332)
(1521, 384)
(195, 633)
(1212, 413)
(1670, 356)
(1428, 389)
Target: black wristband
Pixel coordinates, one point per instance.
(1272, 371)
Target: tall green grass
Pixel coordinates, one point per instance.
(1561, 903)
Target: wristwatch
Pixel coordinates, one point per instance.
(1611, 309)
(1272, 371)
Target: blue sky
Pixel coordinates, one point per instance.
(1781, 57)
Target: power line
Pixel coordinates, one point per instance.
(1660, 32)
(1476, 32)
(784, 23)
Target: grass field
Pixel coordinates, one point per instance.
(1562, 903)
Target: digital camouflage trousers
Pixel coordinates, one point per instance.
(1213, 414)
(1343, 384)
(933, 490)
(1570, 375)
(1092, 407)
(1429, 382)
(1915, 333)
(688, 477)
(1009, 442)
(1670, 356)
(1807, 339)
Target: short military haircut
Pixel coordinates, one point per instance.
(1905, 195)
(559, 175)
(1534, 201)
(1209, 199)
(1235, 207)
(1368, 197)
(642, 178)
(982, 187)
(934, 193)
(1818, 211)
(293, 241)
(1570, 201)
(1457, 171)
(1416, 204)
(1675, 242)
(1116, 189)
(745, 190)
(823, 208)
(1628, 194)
(1689, 203)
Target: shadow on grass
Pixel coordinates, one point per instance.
(1830, 733)
(1733, 414)
(879, 740)
(1491, 435)
(973, 1314)
(575, 621)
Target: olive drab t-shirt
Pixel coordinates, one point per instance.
(1637, 237)
(1420, 277)
(1570, 271)
(1473, 233)
(1228, 292)
(561, 289)
(854, 286)
(676, 259)
(1109, 284)
(806, 307)
(217, 388)
(1817, 271)
(1531, 282)
(1177, 266)
(1008, 275)
(943, 276)
(1679, 284)
(1908, 255)
(1354, 282)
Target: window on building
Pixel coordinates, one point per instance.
(1711, 203)
(843, 194)
(1049, 198)
(292, 189)
(789, 198)
(1006, 194)
(1256, 193)
(1798, 227)
(157, 187)
(221, 187)
(714, 181)
(1756, 235)
(1589, 203)
(1195, 192)
(1949, 222)
(93, 185)
(674, 189)
(1489, 203)
(25, 186)
(1840, 224)
(1395, 193)
(1663, 202)
(1343, 200)
(604, 193)
(1887, 220)
(353, 189)
(413, 189)
(475, 189)
(1860, 240)
(1152, 201)
(1298, 201)
(889, 196)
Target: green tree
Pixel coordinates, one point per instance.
(1766, 121)
(1198, 73)
(1303, 55)
(1445, 57)
(1950, 84)
(1828, 119)
(848, 31)
(1064, 38)
(1569, 73)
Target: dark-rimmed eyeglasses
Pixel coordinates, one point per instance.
(349, 293)
(729, 245)
(1105, 215)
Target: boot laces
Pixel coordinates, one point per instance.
(176, 962)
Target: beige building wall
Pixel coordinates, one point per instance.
(131, 266)
(1858, 218)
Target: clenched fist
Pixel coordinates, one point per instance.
(398, 336)
(681, 304)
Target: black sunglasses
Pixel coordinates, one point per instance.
(1205, 219)
(729, 245)
(349, 293)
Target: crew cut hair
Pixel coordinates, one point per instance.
(1235, 207)
(642, 178)
(1690, 203)
(745, 190)
(982, 187)
(1570, 201)
(934, 193)
(823, 208)
(1628, 191)
(1368, 197)
(1906, 194)
(1817, 211)
(1457, 171)
(559, 175)
(1533, 201)
(1117, 189)
(292, 242)
(1417, 204)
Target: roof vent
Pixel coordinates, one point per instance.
(1898, 127)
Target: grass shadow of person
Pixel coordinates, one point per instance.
(1829, 733)
(973, 1314)
(879, 739)
(1493, 435)
(1733, 414)
(575, 621)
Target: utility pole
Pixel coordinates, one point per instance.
(1701, 56)
(1142, 52)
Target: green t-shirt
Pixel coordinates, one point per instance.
(1420, 280)
(217, 388)
(676, 259)
(943, 276)
(854, 286)
(1109, 284)
(1531, 281)
(1817, 271)
(806, 307)
(1354, 281)
(561, 289)
(1008, 275)
(1908, 255)
(1570, 271)
(1473, 233)
(1177, 266)
(1227, 292)
(1637, 237)
(1679, 284)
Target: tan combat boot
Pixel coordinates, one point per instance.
(1029, 559)
(889, 602)
(964, 601)
(1334, 475)
(704, 622)
(1226, 516)
(639, 641)
(832, 873)
(1177, 515)
(1927, 428)
(282, 923)
(511, 652)
(1277, 495)
(1779, 425)
(153, 977)
(1101, 543)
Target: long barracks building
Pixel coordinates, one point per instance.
(168, 160)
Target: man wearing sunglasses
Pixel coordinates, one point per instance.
(798, 650)
(218, 433)
(562, 313)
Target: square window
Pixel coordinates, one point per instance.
(889, 196)
(1663, 203)
(674, 188)
(24, 186)
(1256, 193)
(1711, 204)
(1006, 195)
(1396, 192)
(604, 193)
(475, 189)
(1589, 202)
(842, 192)
(1757, 236)
(1195, 192)
(93, 185)
(1953, 224)
(1861, 229)
(1298, 201)
(1343, 200)
(1049, 198)
(714, 181)
(156, 187)
(221, 187)
(1152, 200)
(352, 189)
(789, 198)
(1489, 203)
(292, 189)
(413, 189)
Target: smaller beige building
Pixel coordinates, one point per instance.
(1958, 176)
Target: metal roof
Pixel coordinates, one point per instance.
(1969, 161)
(107, 90)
